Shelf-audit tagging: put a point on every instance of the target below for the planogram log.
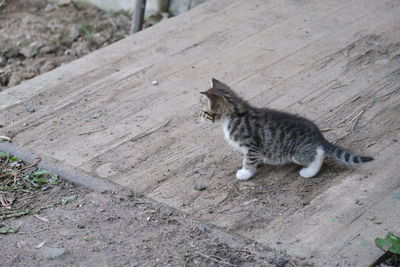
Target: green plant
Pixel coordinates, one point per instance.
(390, 243)
(87, 30)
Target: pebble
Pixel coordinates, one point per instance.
(74, 32)
(63, 2)
(48, 49)
(281, 262)
(27, 51)
(29, 109)
(99, 38)
(154, 82)
(53, 253)
(47, 66)
(3, 61)
(15, 79)
(202, 229)
(199, 187)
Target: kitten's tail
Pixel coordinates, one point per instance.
(344, 156)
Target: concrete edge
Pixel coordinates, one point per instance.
(63, 170)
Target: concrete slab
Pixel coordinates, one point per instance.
(336, 62)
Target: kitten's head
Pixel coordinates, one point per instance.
(221, 100)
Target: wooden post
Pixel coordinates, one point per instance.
(138, 15)
(163, 6)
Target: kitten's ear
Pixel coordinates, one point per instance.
(218, 85)
(215, 83)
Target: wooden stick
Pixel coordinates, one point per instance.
(138, 15)
(214, 259)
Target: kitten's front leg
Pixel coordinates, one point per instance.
(250, 163)
(206, 116)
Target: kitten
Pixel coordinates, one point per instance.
(268, 136)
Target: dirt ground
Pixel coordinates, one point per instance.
(38, 36)
(72, 226)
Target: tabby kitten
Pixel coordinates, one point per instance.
(268, 136)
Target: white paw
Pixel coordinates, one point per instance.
(244, 174)
(307, 173)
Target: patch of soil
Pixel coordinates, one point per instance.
(37, 36)
(110, 228)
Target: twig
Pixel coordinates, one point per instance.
(31, 165)
(358, 118)
(151, 132)
(5, 175)
(18, 214)
(15, 179)
(35, 232)
(41, 218)
(4, 202)
(214, 259)
(211, 175)
(93, 131)
(292, 263)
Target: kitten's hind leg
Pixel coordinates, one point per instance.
(313, 168)
(250, 162)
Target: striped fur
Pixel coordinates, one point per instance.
(269, 136)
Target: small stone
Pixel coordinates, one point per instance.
(3, 61)
(28, 75)
(48, 49)
(281, 262)
(27, 51)
(210, 211)
(53, 253)
(198, 187)
(47, 66)
(30, 109)
(50, 7)
(74, 32)
(81, 226)
(81, 48)
(154, 82)
(14, 79)
(63, 2)
(99, 38)
(56, 189)
(202, 229)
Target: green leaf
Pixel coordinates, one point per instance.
(40, 180)
(391, 243)
(66, 200)
(40, 172)
(383, 243)
(8, 230)
(54, 179)
(4, 155)
(13, 159)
